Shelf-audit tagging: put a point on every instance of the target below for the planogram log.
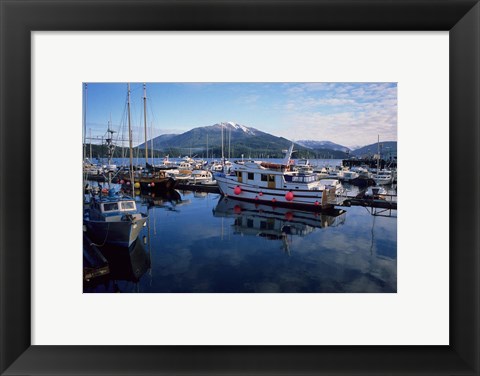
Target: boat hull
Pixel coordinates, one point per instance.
(302, 199)
(120, 233)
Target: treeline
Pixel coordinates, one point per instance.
(100, 152)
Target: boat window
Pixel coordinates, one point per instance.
(264, 177)
(128, 205)
(110, 206)
(250, 176)
(271, 177)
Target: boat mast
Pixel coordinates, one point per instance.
(85, 125)
(378, 153)
(151, 142)
(130, 141)
(145, 120)
(110, 151)
(229, 138)
(223, 156)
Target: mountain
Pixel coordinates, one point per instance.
(387, 149)
(310, 144)
(249, 141)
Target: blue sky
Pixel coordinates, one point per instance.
(351, 114)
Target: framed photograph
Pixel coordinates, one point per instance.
(234, 167)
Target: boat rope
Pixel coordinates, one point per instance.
(104, 240)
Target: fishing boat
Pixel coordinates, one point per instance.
(346, 175)
(156, 181)
(113, 219)
(383, 177)
(276, 184)
(201, 177)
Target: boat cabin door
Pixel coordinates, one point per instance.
(239, 176)
(271, 181)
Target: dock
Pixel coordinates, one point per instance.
(388, 202)
(357, 200)
(209, 188)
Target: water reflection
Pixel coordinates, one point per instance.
(202, 243)
(127, 266)
(275, 223)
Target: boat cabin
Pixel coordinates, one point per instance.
(259, 176)
(118, 206)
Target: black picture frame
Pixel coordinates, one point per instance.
(19, 18)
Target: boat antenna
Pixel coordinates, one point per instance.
(145, 120)
(288, 155)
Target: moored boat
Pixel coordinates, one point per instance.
(113, 219)
(276, 184)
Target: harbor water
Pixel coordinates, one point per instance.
(203, 243)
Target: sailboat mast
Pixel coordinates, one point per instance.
(130, 140)
(151, 142)
(223, 157)
(145, 120)
(85, 125)
(90, 144)
(378, 153)
(229, 138)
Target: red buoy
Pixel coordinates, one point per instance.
(317, 203)
(289, 216)
(274, 199)
(237, 190)
(122, 181)
(152, 184)
(256, 197)
(289, 196)
(260, 194)
(237, 209)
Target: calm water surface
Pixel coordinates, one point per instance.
(198, 242)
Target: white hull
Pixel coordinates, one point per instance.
(274, 196)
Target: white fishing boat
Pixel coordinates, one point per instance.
(347, 175)
(303, 165)
(201, 177)
(383, 177)
(276, 184)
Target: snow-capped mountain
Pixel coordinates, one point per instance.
(311, 144)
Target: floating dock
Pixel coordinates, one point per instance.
(209, 188)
